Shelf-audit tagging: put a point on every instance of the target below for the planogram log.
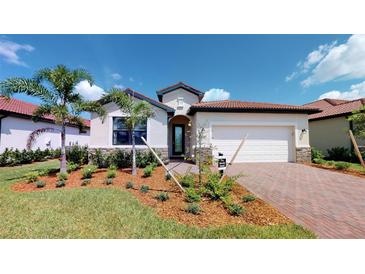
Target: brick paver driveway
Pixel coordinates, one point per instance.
(329, 203)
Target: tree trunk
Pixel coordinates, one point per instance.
(63, 167)
(134, 168)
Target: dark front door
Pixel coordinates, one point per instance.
(178, 140)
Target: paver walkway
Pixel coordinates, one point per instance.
(329, 203)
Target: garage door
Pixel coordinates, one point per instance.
(263, 144)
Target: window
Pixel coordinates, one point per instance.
(180, 102)
(122, 136)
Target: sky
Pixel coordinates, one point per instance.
(289, 69)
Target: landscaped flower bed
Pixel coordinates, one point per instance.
(169, 202)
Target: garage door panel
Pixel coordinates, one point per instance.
(263, 144)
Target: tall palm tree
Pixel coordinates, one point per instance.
(56, 88)
(136, 112)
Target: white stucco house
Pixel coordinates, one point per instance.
(16, 125)
(275, 132)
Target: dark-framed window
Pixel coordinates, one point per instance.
(123, 136)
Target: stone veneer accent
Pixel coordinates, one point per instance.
(164, 154)
(304, 154)
(207, 154)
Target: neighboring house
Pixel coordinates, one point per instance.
(16, 126)
(330, 127)
(275, 132)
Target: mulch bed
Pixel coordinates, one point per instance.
(343, 171)
(213, 213)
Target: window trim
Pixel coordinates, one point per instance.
(180, 102)
(129, 132)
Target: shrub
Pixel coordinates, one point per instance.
(316, 154)
(145, 189)
(187, 180)
(111, 173)
(32, 177)
(145, 158)
(38, 155)
(113, 167)
(77, 154)
(235, 209)
(40, 184)
(121, 158)
(108, 181)
(191, 195)
(62, 176)
(60, 184)
(72, 167)
(163, 196)
(47, 171)
(85, 182)
(248, 198)
(339, 154)
(193, 209)
(342, 165)
(319, 161)
(130, 185)
(167, 177)
(101, 160)
(216, 190)
(88, 171)
(147, 171)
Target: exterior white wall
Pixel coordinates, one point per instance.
(15, 132)
(171, 97)
(329, 133)
(296, 121)
(102, 133)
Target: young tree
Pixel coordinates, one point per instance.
(136, 112)
(56, 88)
(358, 119)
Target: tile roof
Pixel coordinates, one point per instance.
(182, 85)
(16, 106)
(239, 106)
(333, 108)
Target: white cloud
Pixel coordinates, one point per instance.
(119, 86)
(216, 94)
(9, 51)
(343, 61)
(116, 76)
(89, 92)
(356, 91)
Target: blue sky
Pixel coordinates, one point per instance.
(292, 69)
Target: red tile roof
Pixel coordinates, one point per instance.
(239, 106)
(333, 108)
(24, 108)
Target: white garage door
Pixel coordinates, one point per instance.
(263, 143)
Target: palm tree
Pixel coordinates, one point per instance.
(56, 88)
(136, 112)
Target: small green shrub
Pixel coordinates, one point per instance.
(192, 196)
(47, 171)
(113, 167)
(40, 184)
(319, 161)
(60, 184)
(193, 209)
(72, 167)
(77, 154)
(111, 173)
(129, 185)
(187, 180)
(163, 196)
(32, 177)
(85, 182)
(167, 177)
(316, 154)
(216, 190)
(342, 165)
(62, 176)
(339, 154)
(88, 171)
(235, 209)
(145, 189)
(147, 171)
(109, 181)
(248, 198)
(153, 165)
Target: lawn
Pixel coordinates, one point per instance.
(102, 213)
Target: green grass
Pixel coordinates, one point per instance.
(353, 166)
(102, 213)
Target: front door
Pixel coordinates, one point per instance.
(178, 140)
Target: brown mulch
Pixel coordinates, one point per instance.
(344, 171)
(213, 213)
